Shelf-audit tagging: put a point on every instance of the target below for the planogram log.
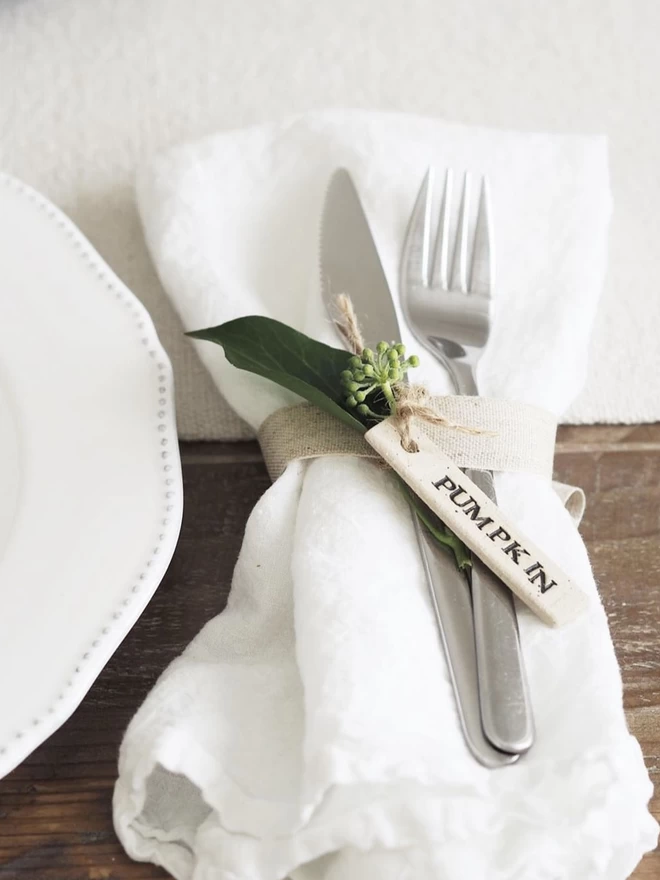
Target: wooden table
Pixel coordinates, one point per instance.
(55, 809)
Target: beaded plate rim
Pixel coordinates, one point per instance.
(136, 594)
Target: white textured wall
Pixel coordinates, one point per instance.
(90, 87)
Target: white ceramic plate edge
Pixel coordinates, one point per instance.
(92, 661)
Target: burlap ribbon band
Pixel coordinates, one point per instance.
(512, 437)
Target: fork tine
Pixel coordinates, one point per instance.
(441, 261)
(459, 268)
(416, 251)
(481, 269)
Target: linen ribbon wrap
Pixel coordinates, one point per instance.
(507, 436)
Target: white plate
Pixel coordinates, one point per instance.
(90, 477)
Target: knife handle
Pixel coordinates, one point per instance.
(450, 596)
(506, 713)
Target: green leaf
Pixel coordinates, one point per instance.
(303, 365)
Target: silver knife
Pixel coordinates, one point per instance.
(350, 264)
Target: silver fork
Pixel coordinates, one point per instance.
(446, 298)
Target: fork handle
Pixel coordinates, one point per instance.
(506, 714)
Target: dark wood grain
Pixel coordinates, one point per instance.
(55, 809)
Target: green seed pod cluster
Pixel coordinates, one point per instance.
(373, 372)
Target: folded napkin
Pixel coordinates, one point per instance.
(310, 729)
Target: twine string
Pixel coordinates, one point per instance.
(348, 325)
(411, 400)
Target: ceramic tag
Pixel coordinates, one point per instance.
(481, 525)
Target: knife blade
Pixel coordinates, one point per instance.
(350, 264)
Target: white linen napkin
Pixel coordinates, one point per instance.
(310, 729)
